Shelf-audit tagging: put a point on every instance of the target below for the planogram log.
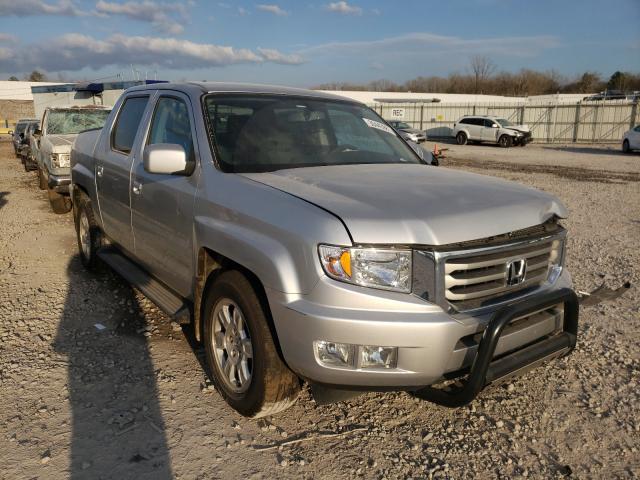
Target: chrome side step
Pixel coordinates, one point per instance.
(157, 292)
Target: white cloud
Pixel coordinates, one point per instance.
(275, 9)
(242, 11)
(275, 56)
(75, 51)
(427, 43)
(8, 38)
(28, 8)
(157, 14)
(344, 8)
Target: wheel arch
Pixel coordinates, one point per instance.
(210, 265)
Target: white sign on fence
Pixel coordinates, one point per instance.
(397, 113)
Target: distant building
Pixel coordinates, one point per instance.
(16, 101)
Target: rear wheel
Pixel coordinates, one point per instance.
(461, 138)
(59, 203)
(505, 141)
(240, 350)
(626, 148)
(88, 232)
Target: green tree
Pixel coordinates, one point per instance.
(618, 81)
(37, 76)
(13, 78)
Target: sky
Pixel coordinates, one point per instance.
(304, 43)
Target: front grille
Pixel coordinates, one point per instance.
(474, 280)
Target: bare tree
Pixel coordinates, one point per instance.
(482, 67)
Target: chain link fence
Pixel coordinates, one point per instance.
(582, 122)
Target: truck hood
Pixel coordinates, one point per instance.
(61, 143)
(412, 130)
(416, 204)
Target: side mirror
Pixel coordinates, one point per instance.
(10, 132)
(165, 158)
(494, 125)
(37, 132)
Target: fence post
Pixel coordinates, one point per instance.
(634, 113)
(576, 123)
(421, 116)
(521, 119)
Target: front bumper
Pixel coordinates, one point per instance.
(59, 183)
(432, 344)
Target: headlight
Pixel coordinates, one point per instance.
(556, 259)
(369, 267)
(60, 160)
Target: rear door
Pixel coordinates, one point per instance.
(113, 170)
(634, 138)
(475, 128)
(162, 204)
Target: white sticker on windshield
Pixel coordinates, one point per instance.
(379, 126)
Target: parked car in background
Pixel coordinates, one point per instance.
(305, 240)
(25, 151)
(408, 132)
(60, 126)
(478, 128)
(17, 134)
(631, 140)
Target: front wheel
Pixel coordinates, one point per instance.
(240, 351)
(461, 138)
(42, 180)
(626, 148)
(505, 141)
(88, 233)
(59, 203)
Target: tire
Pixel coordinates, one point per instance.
(42, 181)
(505, 141)
(461, 138)
(59, 203)
(267, 386)
(626, 148)
(88, 233)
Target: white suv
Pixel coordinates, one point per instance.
(490, 129)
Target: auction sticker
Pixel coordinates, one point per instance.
(379, 126)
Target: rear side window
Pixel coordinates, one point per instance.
(127, 123)
(171, 124)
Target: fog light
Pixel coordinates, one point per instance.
(334, 354)
(372, 356)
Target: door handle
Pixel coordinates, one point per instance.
(136, 188)
(99, 170)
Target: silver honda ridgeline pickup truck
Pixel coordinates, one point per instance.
(305, 240)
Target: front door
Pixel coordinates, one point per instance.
(488, 132)
(162, 204)
(113, 170)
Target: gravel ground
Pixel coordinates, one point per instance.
(97, 383)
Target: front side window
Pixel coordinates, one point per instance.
(72, 121)
(171, 124)
(126, 127)
(257, 133)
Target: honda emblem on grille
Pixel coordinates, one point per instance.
(516, 271)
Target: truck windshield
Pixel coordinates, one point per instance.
(68, 122)
(258, 133)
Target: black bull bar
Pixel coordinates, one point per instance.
(484, 370)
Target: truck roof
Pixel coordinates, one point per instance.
(233, 87)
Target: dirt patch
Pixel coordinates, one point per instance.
(97, 383)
